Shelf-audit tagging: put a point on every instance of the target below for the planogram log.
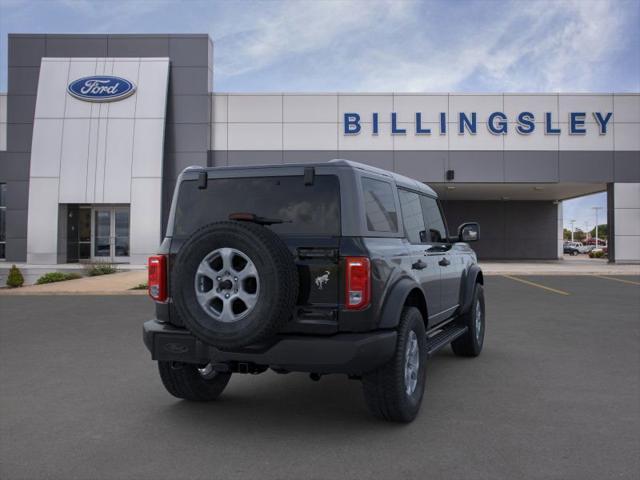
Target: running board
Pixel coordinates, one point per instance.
(443, 338)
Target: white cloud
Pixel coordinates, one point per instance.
(533, 46)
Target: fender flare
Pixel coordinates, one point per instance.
(396, 299)
(472, 276)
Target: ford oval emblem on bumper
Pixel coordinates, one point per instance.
(101, 88)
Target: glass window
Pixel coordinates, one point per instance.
(3, 216)
(412, 216)
(303, 209)
(380, 207)
(433, 220)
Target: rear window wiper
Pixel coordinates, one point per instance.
(252, 217)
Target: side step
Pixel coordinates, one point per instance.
(443, 338)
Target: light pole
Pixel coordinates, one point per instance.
(572, 222)
(596, 210)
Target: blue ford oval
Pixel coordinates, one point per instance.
(101, 88)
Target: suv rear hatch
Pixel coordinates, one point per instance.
(305, 211)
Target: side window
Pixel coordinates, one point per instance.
(433, 220)
(412, 216)
(380, 207)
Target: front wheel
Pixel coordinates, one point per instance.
(470, 344)
(394, 391)
(192, 382)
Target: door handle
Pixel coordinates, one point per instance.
(444, 262)
(419, 265)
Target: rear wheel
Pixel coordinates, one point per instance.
(470, 344)
(394, 392)
(192, 382)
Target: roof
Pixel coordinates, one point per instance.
(400, 180)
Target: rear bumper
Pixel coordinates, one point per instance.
(351, 353)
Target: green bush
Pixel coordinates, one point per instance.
(140, 286)
(100, 269)
(52, 277)
(15, 278)
(596, 254)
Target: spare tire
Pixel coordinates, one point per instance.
(234, 284)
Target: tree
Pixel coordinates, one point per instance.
(603, 231)
(579, 235)
(15, 278)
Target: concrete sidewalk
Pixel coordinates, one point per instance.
(122, 283)
(568, 266)
(113, 284)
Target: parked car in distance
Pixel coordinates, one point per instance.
(570, 249)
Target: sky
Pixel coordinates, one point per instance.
(377, 45)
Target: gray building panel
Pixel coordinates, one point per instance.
(138, 46)
(22, 108)
(189, 109)
(531, 166)
(26, 50)
(189, 51)
(16, 221)
(626, 166)
(19, 137)
(14, 166)
(509, 230)
(16, 248)
(76, 46)
(477, 166)
(586, 166)
(187, 137)
(254, 157)
(17, 195)
(309, 156)
(22, 81)
(174, 163)
(218, 158)
(427, 165)
(188, 80)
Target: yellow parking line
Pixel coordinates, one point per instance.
(618, 279)
(534, 284)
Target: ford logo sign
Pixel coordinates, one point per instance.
(101, 88)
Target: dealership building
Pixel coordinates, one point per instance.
(95, 129)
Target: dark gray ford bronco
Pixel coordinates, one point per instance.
(322, 268)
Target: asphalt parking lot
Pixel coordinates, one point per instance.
(555, 394)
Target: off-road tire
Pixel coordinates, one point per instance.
(470, 344)
(186, 382)
(279, 284)
(384, 389)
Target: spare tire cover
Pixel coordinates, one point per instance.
(234, 284)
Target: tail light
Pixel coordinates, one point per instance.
(357, 283)
(157, 283)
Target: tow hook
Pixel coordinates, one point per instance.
(315, 376)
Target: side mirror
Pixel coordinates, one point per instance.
(469, 232)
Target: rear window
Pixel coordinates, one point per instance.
(305, 209)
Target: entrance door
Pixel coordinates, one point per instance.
(111, 234)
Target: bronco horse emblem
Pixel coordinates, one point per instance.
(322, 280)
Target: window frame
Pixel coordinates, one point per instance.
(404, 227)
(444, 221)
(363, 214)
(3, 207)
